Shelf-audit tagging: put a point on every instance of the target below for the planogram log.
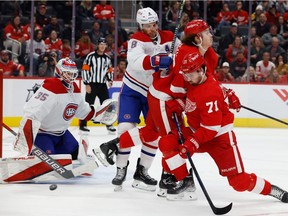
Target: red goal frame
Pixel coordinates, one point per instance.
(1, 112)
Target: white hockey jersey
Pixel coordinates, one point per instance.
(139, 71)
(55, 107)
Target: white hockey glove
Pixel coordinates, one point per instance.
(106, 113)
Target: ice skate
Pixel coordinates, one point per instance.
(185, 190)
(84, 129)
(105, 153)
(111, 129)
(167, 181)
(142, 180)
(279, 194)
(120, 177)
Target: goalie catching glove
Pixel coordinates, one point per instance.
(106, 113)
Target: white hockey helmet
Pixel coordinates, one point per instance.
(66, 70)
(146, 16)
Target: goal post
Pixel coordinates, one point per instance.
(1, 112)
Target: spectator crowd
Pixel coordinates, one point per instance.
(265, 62)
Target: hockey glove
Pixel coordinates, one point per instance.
(234, 102)
(189, 146)
(161, 61)
(176, 105)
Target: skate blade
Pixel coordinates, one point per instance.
(162, 192)
(111, 132)
(118, 188)
(83, 133)
(100, 156)
(142, 186)
(184, 196)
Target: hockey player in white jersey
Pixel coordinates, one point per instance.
(148, 51)
(48, 114)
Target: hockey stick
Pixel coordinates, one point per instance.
(177, 27)
(67, 174)
(255, 111)
(216, 210)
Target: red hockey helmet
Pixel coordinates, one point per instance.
(191, 63)
(195, 27)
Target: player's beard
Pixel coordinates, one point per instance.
(151, 33)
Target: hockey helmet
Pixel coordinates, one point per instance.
(195, 27)
(191, 63)
(146, 16)
(66, 70)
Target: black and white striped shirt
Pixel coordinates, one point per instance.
(97, 68)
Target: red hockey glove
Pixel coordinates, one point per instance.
(234, 102)
(161, 61)
(190, 145)
(176, 105)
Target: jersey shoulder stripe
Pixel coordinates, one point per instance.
(56, 86)
(166, 36)
(141, 37)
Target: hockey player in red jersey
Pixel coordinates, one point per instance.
(210, 130)
(160, 98)
(147, 54)
(48, 114)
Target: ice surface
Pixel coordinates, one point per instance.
(264, 151)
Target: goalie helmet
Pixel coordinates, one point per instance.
(66, 70)
(146, 16)
(195, 27)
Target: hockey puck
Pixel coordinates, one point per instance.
(53, 187)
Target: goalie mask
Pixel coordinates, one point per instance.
(67, 71)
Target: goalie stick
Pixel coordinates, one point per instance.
(62, 171)
(216, 210)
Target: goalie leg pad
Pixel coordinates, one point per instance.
(83, 149)
(26, 135)
(31, 168)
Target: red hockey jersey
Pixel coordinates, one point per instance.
(207, 112)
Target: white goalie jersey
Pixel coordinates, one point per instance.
(54, 107)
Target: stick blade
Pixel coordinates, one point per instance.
(222, 211)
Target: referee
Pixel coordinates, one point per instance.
(96, 71)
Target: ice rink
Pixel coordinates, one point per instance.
(264, 152)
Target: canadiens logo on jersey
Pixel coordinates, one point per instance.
(69, 111)
(190, 105)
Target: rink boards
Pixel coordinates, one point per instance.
(271, 100)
